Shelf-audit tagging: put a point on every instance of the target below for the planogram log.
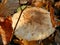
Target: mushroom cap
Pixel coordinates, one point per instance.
(34, 24)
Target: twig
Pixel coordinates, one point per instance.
(18, 19)
(19, 15)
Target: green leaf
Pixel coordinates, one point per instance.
(58, 20)
(23, 7)
(19, 8)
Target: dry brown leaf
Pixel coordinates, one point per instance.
(6, 29)
(52, 17)
(38, 4)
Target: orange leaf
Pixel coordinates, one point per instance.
(52, 17)
(6, 29)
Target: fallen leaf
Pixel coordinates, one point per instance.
(52, 17)
(6, 29)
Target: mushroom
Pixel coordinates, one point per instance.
(35, 24)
